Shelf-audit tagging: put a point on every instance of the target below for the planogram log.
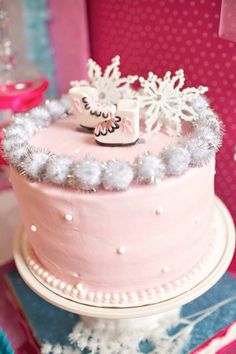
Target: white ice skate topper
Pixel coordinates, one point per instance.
(122, 128)
(87, 108)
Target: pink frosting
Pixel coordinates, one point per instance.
(66, 137)
(157, 247)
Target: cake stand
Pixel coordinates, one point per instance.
(141, 318)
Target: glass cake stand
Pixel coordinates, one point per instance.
(133, 319)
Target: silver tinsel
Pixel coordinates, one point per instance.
(55, 108)
(16, 155)
(117, 175)
(87, 174)
(207, 134)
(200, 152)
(200, 104)
(58, 169)
(34, 164)
(176, 160)
(14, 130)
(12, 143)
(149, 168)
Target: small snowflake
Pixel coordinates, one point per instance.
(165, 104)
(110, 85)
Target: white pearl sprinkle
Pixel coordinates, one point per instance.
(98, 297)
(166, 269)
(33, 228)
(45, 274)
(76, 151)
(40, 271)
(68, 289)
(196, 220)
(124, 298)
(121, 250)
(160, 289)
(107, 296)
(133, 296)
(90, 296)
(168, 286)
(74, 292)
(152, 292)
(159, 210)
(83, 294)
(68, 217)
(55, 283)
(62, 285)
(115, 297)
(177, 282)
(143, 294)
(31, 263)
(35, 267)
(79, 286)
(49, 279)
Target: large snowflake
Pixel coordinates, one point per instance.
(110, 85)
(165, 104)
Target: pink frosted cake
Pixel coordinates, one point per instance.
(109, 219)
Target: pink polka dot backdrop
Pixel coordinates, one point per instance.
(155, 35)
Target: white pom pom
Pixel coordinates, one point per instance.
(14, 130)
(211, 122)
(200, 103)
(12, 142)
(58, 168)
(199, 151)
(34, 164)
(16, 155)
(66, 102)
(176, 160)
(55, 108)
(87, 174)
(40, 114)
(149, 168)
(117, 175)
(213, 138)
(206, 114)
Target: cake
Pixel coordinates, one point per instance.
(125, 223)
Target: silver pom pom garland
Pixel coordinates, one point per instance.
(88, 174)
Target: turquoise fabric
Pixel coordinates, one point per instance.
(5, 345)
(36, 17)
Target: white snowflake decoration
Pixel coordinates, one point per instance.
(165, 104)
(110, 85)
